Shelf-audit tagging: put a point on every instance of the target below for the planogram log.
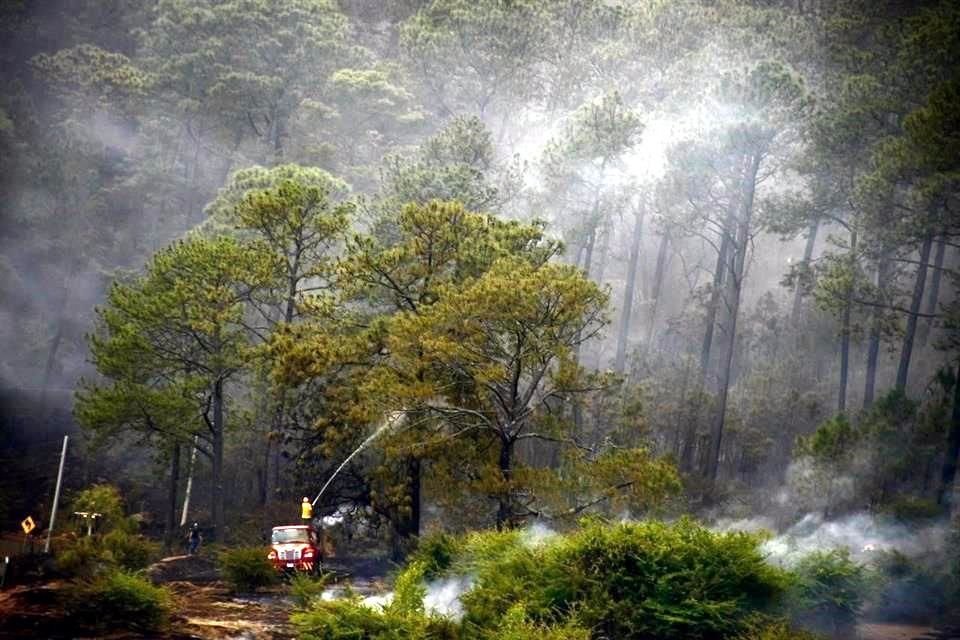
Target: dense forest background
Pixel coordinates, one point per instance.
(565, 256)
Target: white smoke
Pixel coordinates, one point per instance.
(378, 601)
(536, 534)
(862, 534)
(443, 596)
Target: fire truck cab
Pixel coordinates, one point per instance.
(295, 548)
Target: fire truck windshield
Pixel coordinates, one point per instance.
(283, 536)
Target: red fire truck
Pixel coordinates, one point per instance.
(296, 548)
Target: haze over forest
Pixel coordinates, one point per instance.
(569, 257)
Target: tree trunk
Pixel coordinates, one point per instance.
(734, 288)
(415, 496)
(191, 468)
(906, 351)
(51, 359)
(873, 345)
(217, 463)
(719, 276)
(588, 252)
(658, 274)
(627, 311)
(505, 504)
(604, 256)
(807, 257)
(577, 410)
(277, 131)
(170, 527)
(274, 447)
(949, 472)
(845, 330)
(56, 339)
(934, 295)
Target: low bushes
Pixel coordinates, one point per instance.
(87, 556)
(306, 589)
(119, 599)
(762, 628)
(246, 568)
(350, 618)
(644, 580)
(909, 589)
(828, 592)
(648, 579)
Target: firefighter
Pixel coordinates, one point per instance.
(194, 538)
(306, 511)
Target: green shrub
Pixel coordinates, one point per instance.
(908, 589)
(912, 508)
(828, 592)
(763, 628)
(349, 618)
(129, 551)
(648, 579)
(436, 553)
(644, 580)
(87, 556)
(247, 568)
(118, 599)
(103, 499)
(307, 589)
(80, 557)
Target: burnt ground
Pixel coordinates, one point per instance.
(204, 607)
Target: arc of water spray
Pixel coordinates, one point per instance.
(392, 420)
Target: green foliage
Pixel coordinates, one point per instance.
(456, 164)
(350, 618)
(912, 508)
(103, 499)
(306, 589)
(129, 551)
(409, 589)
(828, 592)
(81, 557)
(115, 545)
(118, 599)
(648, 579)
(246, 568)
(765, 628)
(909, 589)
(831, 442)
(90, 555)
(435, 553)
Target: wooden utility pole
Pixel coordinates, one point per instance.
(56, 495)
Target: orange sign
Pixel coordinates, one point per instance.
(28, 525)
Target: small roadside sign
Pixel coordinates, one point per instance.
(28, 525)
